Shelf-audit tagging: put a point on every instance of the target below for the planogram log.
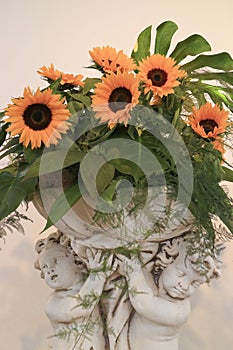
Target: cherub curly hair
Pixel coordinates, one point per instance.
(56, 238)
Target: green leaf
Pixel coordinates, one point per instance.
(62, 204)
(2, 114)
(227, 174)
(13, 191)
(220, 76)
(218, 94)
(103, 177)
(222, 61)
(217, 97)
(85, 100)
(200, 96)
(51, 162)
(74, 106)
(31, 155)
(165, 32)
(142, 46)
(12, 142)
(125, 166)
(89, 84)
(191, 46)
(55, 84)
(3, 133)
(17, 149)
(11, 168)
(109, 192)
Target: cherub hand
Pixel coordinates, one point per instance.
(128, 266)
(94, 258)
(100, 263)
(148, 252)
(109, 265)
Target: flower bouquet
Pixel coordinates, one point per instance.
(157, 121)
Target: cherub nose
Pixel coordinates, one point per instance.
(50, 270)
(184, 284)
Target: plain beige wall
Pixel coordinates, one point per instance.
(35, 33)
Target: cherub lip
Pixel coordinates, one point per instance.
(53, 277)
(178, 291)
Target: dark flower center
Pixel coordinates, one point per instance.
(37, 116)
(157, 76)
(119, 98)
(208, 125)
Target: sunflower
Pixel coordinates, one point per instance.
(38, 117)
(51, 73)
(112, 61)
(115, 97)
(219, 145)
(160, 74)
(156, 101)
(208, 121)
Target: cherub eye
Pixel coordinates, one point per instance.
(195, 284)
(44, 266)
(180, 273)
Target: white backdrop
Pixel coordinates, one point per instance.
(35, 33)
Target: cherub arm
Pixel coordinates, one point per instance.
(83, 303)
(144, 298)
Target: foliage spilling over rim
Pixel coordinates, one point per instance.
(195, 80)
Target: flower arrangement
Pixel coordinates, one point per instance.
(175, 103)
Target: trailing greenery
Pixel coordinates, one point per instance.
(11, 223)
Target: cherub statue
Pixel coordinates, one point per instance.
(73, 307)
(161, 298)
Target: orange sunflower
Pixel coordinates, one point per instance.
(115, 97)
(160, 74)
(208, 121)
(219, 145)
(156, 101)
(112, 61)
(38, 118)
(54, 74)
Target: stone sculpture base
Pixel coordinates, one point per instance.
(118, 297)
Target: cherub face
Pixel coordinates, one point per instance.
(59, 267)
(179, 279)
